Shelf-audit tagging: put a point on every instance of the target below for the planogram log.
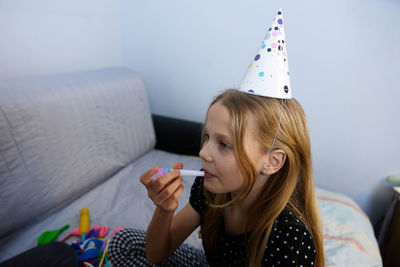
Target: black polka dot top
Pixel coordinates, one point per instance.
(289, 244)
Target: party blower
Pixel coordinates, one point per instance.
(163, 171)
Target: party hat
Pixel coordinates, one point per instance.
(268, 74)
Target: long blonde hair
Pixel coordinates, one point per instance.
(291, 187)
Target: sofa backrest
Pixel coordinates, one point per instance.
(61, 135)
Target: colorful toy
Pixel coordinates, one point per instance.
(102, 230)
(93, 233)
(117, 230)
(104, 253)
(96, 231)
(88, 254)
(50, 236)
(107, 263)
(93, 251)
(74, 232)
(84, 223)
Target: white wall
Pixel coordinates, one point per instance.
(343, 58)
(47, 36)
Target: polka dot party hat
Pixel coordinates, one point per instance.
(268, 73)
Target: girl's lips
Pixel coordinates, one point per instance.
(208, 174)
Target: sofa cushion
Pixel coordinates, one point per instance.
(62, 135)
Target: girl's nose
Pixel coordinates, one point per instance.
(204, 153)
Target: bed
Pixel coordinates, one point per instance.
(349, 238)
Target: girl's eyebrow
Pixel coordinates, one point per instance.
(222, 136)
(218, 135)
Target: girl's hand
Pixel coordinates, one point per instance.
(164, 191)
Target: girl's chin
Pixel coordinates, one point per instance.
(213, 186)
(210, 184)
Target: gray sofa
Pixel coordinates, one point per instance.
(71, 141)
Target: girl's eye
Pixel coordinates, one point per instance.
(224, 145)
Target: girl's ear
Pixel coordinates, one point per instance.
(274, 162)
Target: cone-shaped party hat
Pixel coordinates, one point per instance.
(268, 74)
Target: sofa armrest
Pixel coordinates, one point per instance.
(177, 135)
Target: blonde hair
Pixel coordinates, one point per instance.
(291, 187)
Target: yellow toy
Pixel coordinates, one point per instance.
(84, 223)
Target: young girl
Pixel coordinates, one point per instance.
(254, 207)
(256, 203)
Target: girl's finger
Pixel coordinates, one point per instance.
(172, 201)
(168, 191)
(146, 177)
(164, 180)
(178, 165)
(178, 192)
